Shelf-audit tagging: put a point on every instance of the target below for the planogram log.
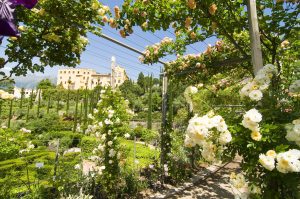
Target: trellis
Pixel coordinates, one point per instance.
(167, 96)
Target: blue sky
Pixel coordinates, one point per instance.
(99, 51)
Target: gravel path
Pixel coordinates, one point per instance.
(212, 183)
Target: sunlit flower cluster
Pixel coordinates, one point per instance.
(110, 115)
(198, 61)
(251, 121)
(166, 169)
(82, 42)
(29, 147)
(210, 133)
(24, 130)
(5, 95)
(192, 4)
(286, 162)
(293, 132)
(153, 51)
(255, 88)
(295, 87)
(238, 180)
(244, 187)
(268, 160)
(189, 91)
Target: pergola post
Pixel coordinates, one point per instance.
(256, 52)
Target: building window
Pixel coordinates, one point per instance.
(83, 77)
(60, 72)
(119, 81)
(60, 77)
(65, 82)
(65, 72)
(88, 72)
(84, 73)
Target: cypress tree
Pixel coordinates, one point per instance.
(1, 103)
(31, 99)
(49, 102)
(39, 103)
(149, 119)
(85, 106)
(57, 107)
(10, 112)
(21, 100)
(28, 109)
(68, 101)
(76, 107)
(81, 111)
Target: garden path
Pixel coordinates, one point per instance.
(212, 182)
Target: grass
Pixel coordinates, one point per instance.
(144, 154)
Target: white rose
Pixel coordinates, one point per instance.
(256, 95)
(267, 161)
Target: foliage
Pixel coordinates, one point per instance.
(145, 134)
(48, 122)
(8, 150)
(58, 38)
(45, 84)
(67, 139)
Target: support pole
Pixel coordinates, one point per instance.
(164, 124)
(256, 51)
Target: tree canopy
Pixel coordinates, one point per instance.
(52, 33)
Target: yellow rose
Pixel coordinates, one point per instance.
(188, 22)
(255, 135)
(21, 28)
(192, 4)
(271, 153)
(212, 9)
(123, 33)
(193, 35)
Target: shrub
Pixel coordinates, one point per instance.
(8, 150)
(47, 123)
(87, 144)
(145, 134)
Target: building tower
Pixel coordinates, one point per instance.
(113, 75)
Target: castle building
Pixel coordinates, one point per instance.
(26, 92)
(88, 78)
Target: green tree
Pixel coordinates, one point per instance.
(53, 33)
(7, 85)
(141, 81)
(45, 84)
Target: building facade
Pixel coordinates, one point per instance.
(74, 79)
(26, 92)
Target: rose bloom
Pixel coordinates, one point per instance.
(212, 9)
(255, 135)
